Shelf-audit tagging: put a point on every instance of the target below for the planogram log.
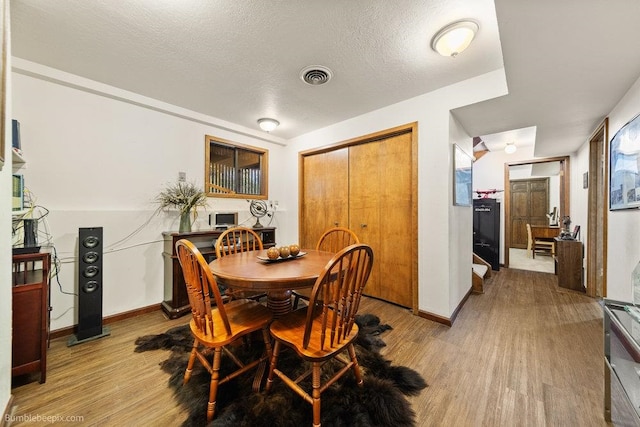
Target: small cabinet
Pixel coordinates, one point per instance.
(30, 293)
(486, 230)
(176, 300)
(568, 264)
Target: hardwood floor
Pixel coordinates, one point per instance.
(524, 353)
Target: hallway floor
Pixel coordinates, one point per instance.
(518, 259)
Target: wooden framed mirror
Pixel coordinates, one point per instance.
(544, 182)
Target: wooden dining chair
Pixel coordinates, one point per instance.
(215, 328)
(326, 328)
(332, 240)
(235, 240)
(537, 245)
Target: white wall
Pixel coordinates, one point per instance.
(461, 218)
(438, 236)
(624, 225)
(97, 160)
(5, 252)
(580, 197)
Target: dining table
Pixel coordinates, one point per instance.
(252, 270)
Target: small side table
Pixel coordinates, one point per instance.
(31, 300)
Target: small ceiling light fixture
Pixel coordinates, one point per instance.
(454, 38)
(510, 148)
(267, 124)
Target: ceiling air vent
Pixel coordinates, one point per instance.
(316, 75)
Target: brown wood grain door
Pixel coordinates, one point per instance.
(325, 194)
(529, 200)
(380, 209)
(596, 282)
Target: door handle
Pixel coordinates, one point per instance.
(363, 225)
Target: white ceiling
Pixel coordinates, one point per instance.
(567, 63)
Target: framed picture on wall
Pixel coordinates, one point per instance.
(3, 75)
(624, 167)
(462, 177)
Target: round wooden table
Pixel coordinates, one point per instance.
(246, 271)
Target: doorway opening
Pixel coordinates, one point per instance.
(536, 193)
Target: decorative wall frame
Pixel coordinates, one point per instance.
(624, 167)
(4, 23)
(462, 177)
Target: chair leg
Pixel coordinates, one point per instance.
(213, 388)
(356, 366)
(272, 365)
(192, 359)
(267, 343)
(315, 394)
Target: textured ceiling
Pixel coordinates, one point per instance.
(567, 62)
(240, 60)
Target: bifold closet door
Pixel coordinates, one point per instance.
(325, 194)
(380, 212)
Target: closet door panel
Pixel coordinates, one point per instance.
(380, 213)
(364, 205)
(325, 194)
(395, 224)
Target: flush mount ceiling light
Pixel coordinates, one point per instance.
(315, 75)
(454, 38)
(268, 125)
(510, 148)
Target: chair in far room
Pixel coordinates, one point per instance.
(332, 240)
(538, 245)
(215, 328)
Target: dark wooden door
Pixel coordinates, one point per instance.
(529, 205)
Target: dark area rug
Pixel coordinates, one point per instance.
(381, 402)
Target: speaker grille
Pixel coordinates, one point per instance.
(90, 241)
(90, 283)
(90, 286)
(90, 271)
(91, 257)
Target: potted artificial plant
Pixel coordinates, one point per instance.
(184, 196)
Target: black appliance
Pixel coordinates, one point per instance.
(486, 231)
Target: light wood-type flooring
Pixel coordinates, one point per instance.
(524, 353)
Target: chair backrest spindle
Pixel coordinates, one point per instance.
(336, 295)
(335, 239)
(200, 285)
(237, 239)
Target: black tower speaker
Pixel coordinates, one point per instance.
(90, 283)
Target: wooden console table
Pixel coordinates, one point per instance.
(568, 264)
(30, 337)
(176, 300)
